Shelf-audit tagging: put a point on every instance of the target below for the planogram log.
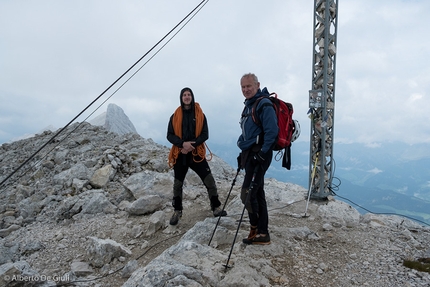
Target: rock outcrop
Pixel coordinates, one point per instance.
(114, 120)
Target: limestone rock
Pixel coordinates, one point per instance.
(102, 176)
(102, 251)
(115, 120)
(81, 268)
(146, 204)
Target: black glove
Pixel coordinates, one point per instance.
(239, 161)
(259, 158)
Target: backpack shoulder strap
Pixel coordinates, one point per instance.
(256, 107)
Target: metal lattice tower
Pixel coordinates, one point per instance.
(322, 98)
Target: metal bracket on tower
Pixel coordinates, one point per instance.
(322, 98)
(316, 99)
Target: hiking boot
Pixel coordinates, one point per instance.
(258, 240)
(175, 217)
(252, 233)
(219, 212)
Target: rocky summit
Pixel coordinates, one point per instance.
(92, 209)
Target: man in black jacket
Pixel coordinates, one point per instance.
(187, 132)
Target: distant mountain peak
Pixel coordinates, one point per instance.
(114, 120)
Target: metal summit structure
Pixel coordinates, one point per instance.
(322, 98)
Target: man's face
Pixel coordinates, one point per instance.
(249, 87)
(187, 98)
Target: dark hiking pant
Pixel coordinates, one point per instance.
(253, 196)
(202, 169)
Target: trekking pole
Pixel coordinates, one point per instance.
(241, 217)
(311, 185)
(228, 195)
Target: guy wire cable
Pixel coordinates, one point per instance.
(108, 88)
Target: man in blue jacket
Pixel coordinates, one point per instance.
(256, 143)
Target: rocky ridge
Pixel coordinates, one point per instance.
(93, 209)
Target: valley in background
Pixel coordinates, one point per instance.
(392, 178)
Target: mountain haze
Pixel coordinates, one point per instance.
(390, 177)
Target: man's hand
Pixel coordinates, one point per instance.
(187, 147)
(259, 158)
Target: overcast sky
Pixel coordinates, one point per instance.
(58, 56)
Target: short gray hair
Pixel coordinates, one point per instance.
(254, 77)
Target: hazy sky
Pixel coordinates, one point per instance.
(58, 56)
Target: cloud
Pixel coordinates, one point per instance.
(58, 56)
(375, 170)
